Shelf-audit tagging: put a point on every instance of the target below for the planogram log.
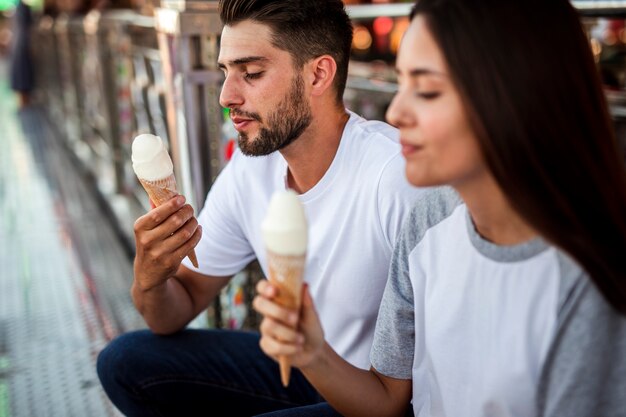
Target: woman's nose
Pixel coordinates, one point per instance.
(396, 112)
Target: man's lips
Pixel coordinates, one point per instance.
(241, 122)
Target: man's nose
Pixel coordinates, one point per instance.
(230, 95)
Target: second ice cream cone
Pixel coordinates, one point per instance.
(285, 235)
(161, 191)
(285, 273)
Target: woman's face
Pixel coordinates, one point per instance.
(437, 142)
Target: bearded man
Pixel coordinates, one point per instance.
(285, 64)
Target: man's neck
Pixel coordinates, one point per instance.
(310, 156)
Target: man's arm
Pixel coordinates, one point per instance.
(167, 294)
(170, 306)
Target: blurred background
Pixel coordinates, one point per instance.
(92, 75)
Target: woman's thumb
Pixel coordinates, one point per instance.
(309, 320)
(307, 301)
(308, 307)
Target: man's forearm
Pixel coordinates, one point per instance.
(166, 308)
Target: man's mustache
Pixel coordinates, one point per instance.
(241, 113)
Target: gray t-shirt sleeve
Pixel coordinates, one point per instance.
(392, 350)
(584, 373)
(394, 338)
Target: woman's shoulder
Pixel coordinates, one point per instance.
(434, 206)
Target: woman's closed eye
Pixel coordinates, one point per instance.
(428, 95)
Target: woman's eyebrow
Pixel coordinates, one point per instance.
(418, 72)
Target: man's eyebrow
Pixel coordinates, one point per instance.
(242, 61)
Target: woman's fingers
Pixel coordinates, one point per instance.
(279, 331)
(274, 339)
(264, 288)
(268, 308)
(278, 327)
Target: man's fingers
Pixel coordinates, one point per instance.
(187, 245)
(159, 214)
(168, 236)
(178, 237)
(177, 220)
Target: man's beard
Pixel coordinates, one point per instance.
(284, 125)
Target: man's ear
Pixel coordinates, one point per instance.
(322, 70)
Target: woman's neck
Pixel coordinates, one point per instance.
(493, 216)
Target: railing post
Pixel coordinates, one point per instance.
(188, 34)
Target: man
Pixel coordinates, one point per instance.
(285, 63)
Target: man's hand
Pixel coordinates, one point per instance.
(163, 237)
(286, 332)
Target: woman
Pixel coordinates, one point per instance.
(507, 292)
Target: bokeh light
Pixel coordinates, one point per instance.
(383, 25)
(7, 4)
(362, 40)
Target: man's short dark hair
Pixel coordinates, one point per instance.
(305, 28)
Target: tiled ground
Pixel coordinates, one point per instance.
(64, 276)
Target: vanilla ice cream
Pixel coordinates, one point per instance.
(153, 166)
(151, 161)
(284, 227)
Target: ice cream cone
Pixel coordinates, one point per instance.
(161, 191)
(286, 273)
(285, 233)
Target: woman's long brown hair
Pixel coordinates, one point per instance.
(533, 93)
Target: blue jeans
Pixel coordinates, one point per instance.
(202, 372)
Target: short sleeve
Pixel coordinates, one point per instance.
(224, 248)
(394, 338)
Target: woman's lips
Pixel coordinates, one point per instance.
(409, 149)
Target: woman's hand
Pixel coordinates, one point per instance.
(286, 332)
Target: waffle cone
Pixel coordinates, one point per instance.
(161, 191)
(286, 273)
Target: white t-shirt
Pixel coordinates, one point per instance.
(470, 322)
(354, 215)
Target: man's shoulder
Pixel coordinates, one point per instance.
(364, 129)
(371, 145)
